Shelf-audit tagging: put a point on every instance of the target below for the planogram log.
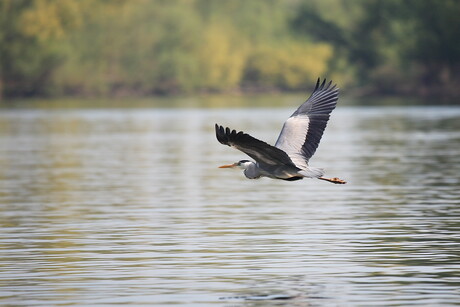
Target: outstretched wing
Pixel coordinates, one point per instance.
(260, 151)
(302, 132)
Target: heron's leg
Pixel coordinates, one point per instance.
(333, 180)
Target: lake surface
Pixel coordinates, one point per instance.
(128, 207)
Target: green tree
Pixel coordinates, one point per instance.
(430, 30)
(389, 46)
(28, 50)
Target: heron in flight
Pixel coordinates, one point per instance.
(296, 144)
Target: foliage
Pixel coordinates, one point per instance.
(121, 47)
(393, 46)
(290, 67)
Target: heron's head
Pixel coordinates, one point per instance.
(243, 164)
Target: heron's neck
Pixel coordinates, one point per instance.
(252, 171)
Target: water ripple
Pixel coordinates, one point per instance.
(121, 207)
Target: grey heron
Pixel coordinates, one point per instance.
(296, 144)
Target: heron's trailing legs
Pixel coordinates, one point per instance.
(333, 180)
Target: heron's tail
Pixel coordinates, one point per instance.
(312, 172)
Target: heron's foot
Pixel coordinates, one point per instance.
(333, 180)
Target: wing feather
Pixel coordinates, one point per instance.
(260, 151)
(302, 132)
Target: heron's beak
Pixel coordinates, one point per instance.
(228, 165)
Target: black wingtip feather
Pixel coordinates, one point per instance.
(221, 135)
(322, 84)
(226, 135)
(317, 84)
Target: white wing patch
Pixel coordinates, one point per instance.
(292, 138)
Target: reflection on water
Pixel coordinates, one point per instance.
(129, 207)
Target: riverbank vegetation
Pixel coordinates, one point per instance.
(124, 48)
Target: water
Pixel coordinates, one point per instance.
(128, 207)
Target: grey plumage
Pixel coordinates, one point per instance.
(296, 144)
(302, 132)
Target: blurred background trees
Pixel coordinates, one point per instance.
(144, 47)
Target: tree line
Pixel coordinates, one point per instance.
(147, 47)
